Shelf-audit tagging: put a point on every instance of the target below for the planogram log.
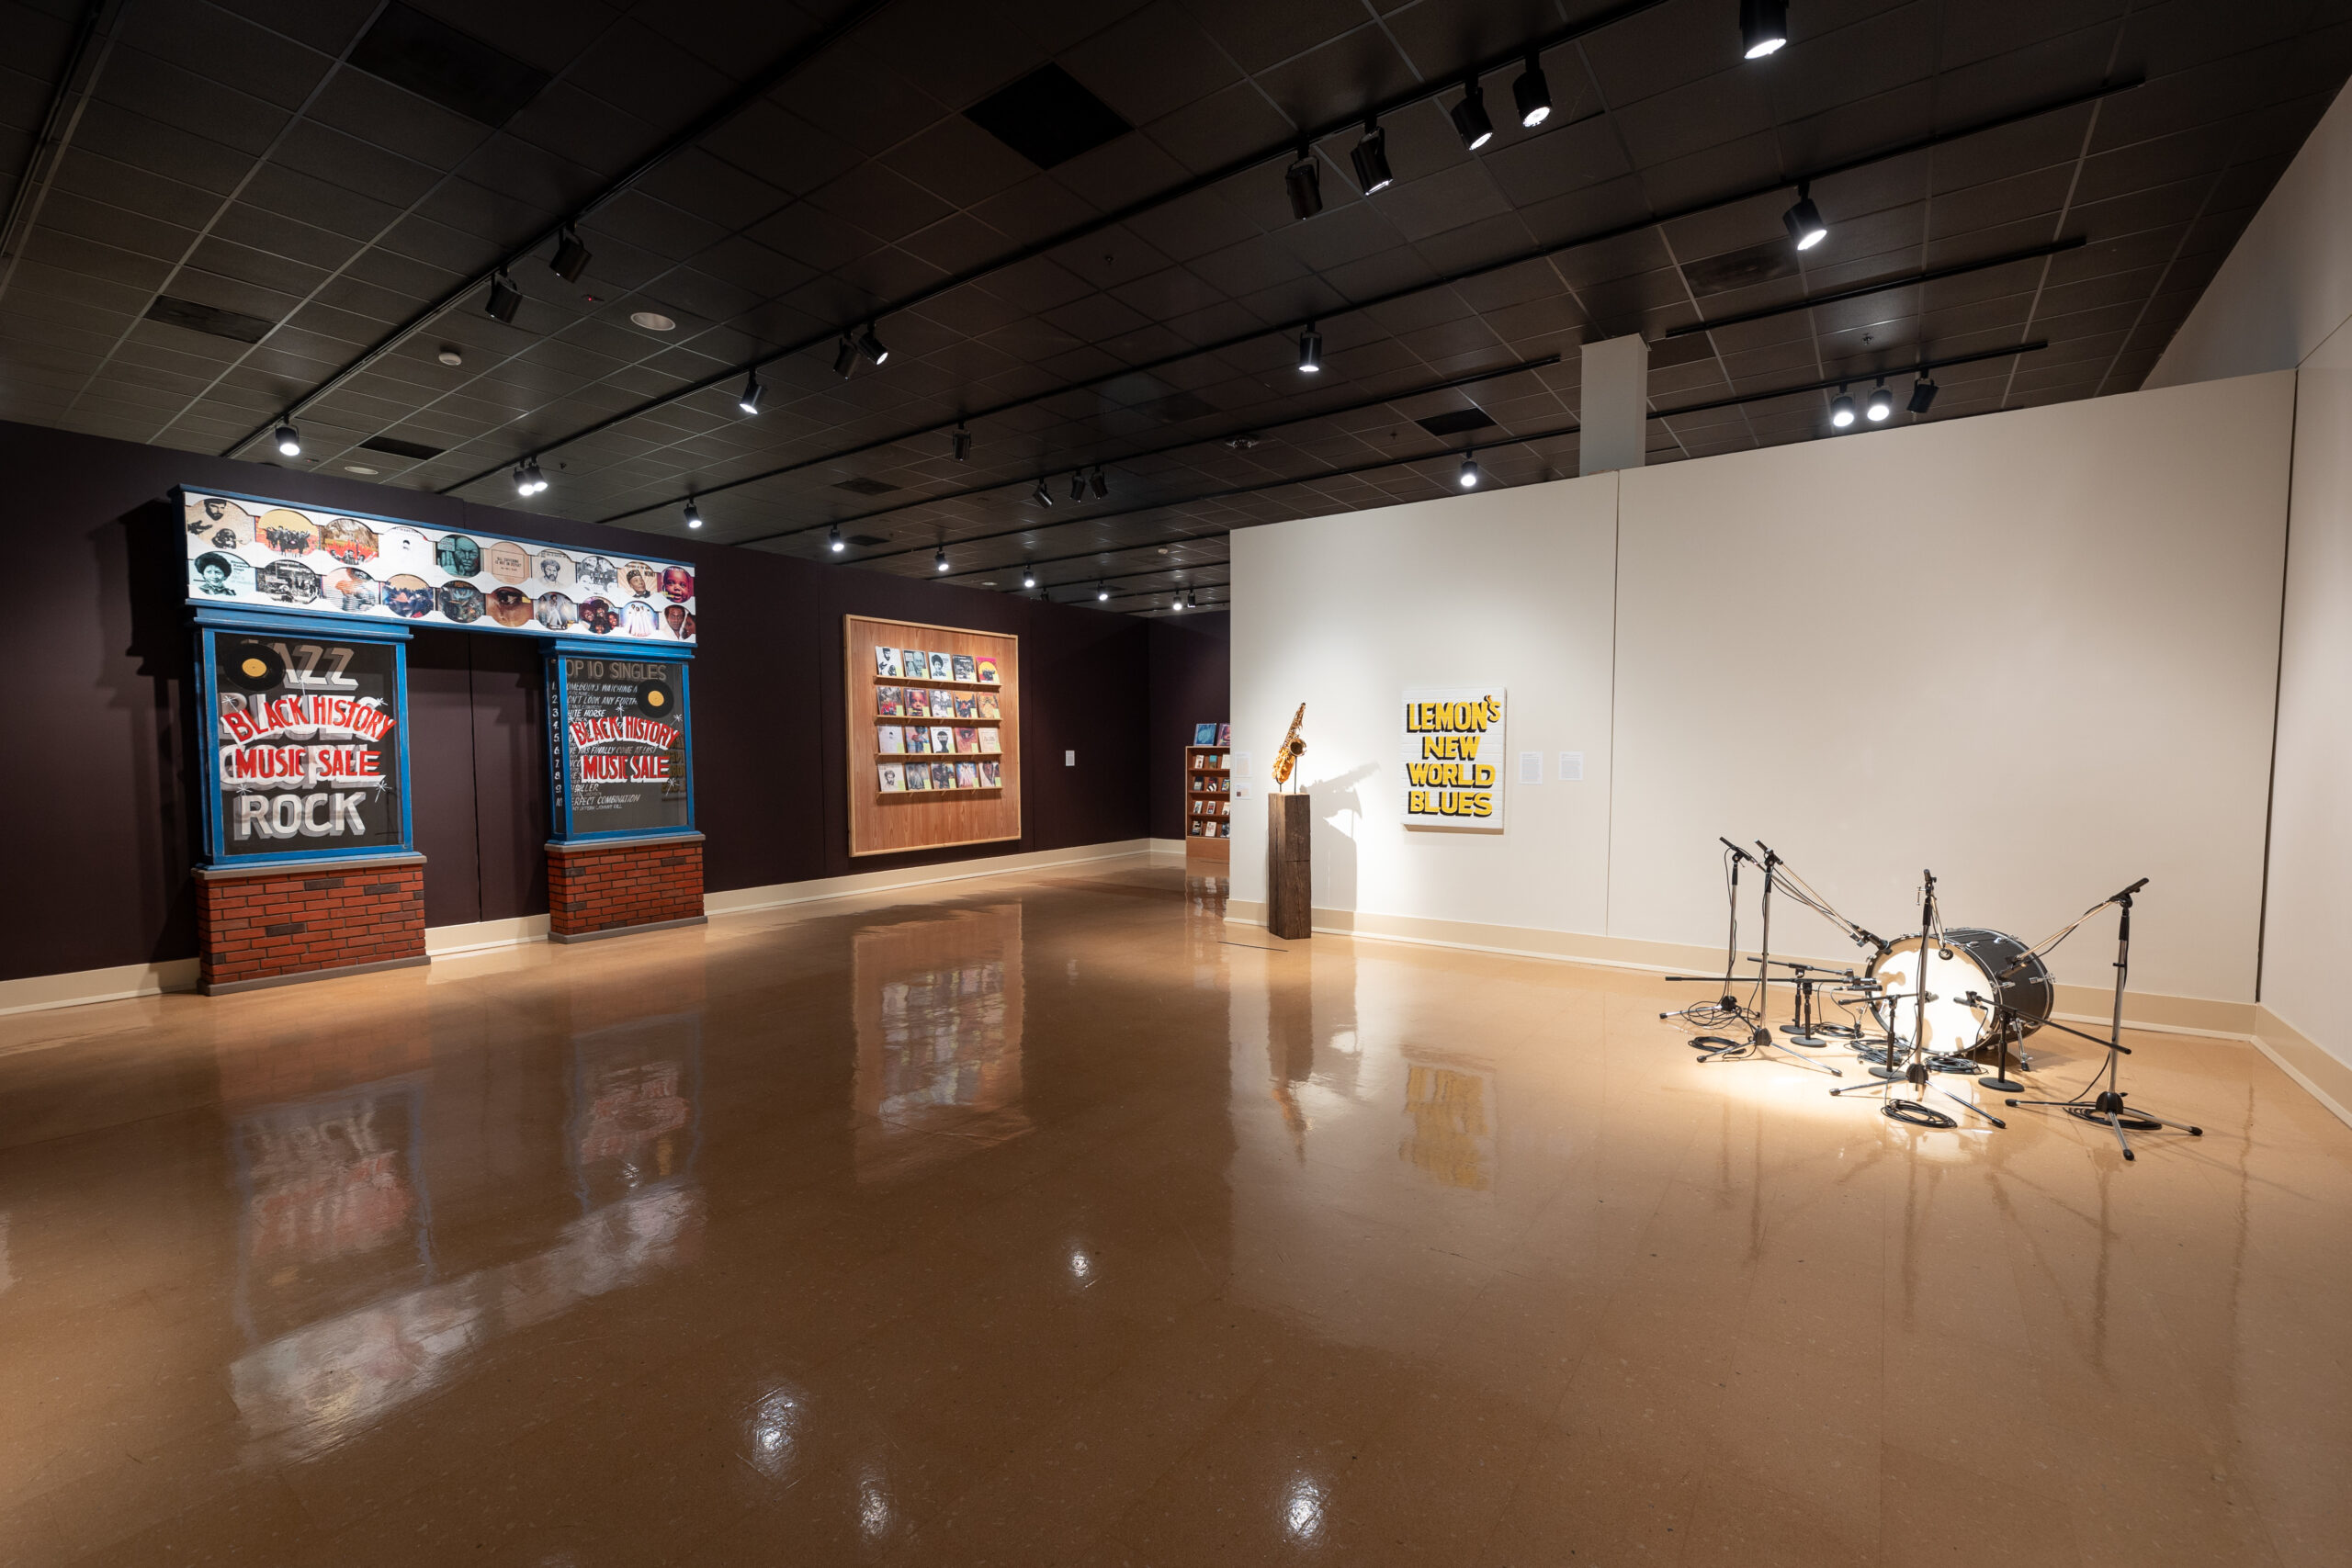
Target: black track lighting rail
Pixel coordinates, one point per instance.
(1916, 367)
(1482, 270)
(1455, 384)
(1885, 286)
(779, 71)
(1278, 153)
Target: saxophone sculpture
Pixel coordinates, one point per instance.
(1286, 754)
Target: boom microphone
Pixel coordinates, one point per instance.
(1735, 849)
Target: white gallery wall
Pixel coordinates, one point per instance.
(2036, 651)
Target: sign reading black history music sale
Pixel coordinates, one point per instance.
(622, 749)
(306, 745)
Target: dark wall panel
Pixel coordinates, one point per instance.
(1192, 682)
(98, 636)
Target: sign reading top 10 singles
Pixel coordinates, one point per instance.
(1453, 753)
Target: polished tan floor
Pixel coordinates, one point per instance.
(1049, 1221)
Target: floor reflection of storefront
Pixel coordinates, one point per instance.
(938, 1039)
(335, 1182)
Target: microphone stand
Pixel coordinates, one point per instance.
(1913, 1072)
(2109, 1106)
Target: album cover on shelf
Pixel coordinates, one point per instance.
(943, 775)
(989, 741)
(943, 705)
(1205, 735)
(889, 737)
(917, 738)
(893, 778)
(1225, 829)
(942, 738)
(988, 705)
(886, 700)
(967, 740)
(1225, 735)
(943, 668)
(916, 704)
(885, 664)
(991, 774)
(968, 775)
(962, 665)
(917, 775)
(914, 663)
(966, 705)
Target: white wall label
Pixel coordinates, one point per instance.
(1453, 749)
(1531, 767)
(1069, 758)
(1571, 767)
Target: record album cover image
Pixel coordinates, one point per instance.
(894, 778)
(917, 776)
(962, 665)
(917, 738)
(915, 664)
(510, 606)
(885, 664)
(943, 775)
(918, 702)
(890, 738)
(968, 739)
(942, 738)
(1205, 735)
(991, 774)
(989, 705)
(968, 775)
(987, 739)
(1225, 735)
(984, 672)
(886, 700)
(966, 705)
(943, 668)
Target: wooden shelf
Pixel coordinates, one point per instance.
(888, 822)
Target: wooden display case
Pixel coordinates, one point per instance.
(1208, 805)
(885, 822)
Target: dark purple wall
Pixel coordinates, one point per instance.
(1192, 682)
(98, 795)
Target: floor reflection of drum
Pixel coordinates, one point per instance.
(1971, 961)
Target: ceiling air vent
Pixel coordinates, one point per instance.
(865, 487)
(436, 61)
(1048, 118)
(1740, 269)
(400, 449)
(1456, 423)
(233, 325)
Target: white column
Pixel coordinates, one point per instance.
(1616, 404)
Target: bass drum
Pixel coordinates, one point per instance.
(1977, 961)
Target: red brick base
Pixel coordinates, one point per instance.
(603, 890)
(256, 927)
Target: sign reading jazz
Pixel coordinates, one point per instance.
(306, 745)
(622, 747)
(1454, 753)
(247, 553)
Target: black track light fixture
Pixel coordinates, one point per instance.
(505, 298)
(1176, 603)
(1882, 403)
(694, 516)
(1763, 27)
(870, 345)
(1470, 475)
(1923, 393)
(1803, 220)
(1470, 117)
(1102, 594)
(938, 562)
(1370, 156)
(1304, 180)
(1310, 350)
(571, 257)
(1041, 495)
(1191, 599)
(1078, 484)
(1102, 485)
(1841, 408)
(1028, 577)
(961, 441)
(1533, 94)
(844, 357)
(752, 392)
(833, 540)
(290, 441)
(529, 480)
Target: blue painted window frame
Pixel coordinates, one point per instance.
(560, 754)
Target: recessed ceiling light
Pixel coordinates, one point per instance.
(355, 469)
(652, 320)
(451, 357)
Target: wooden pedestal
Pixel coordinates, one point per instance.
(1290, 884)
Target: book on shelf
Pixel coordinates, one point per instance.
(992, 773)
(989, 741)
(917, 738)
(984, 670)
(942, 703)
(961, 666)
(968, 739)
(942, 667)
(988, 708)
(1205, 735)
(942, 738)
(943, 775)
(887, 700)
(885, 664)
(917, 776)
(1225, 829)
(966, 705)
(1225, 735)
(916, 704)
(968, 775)
(889, 737)
(894, 778)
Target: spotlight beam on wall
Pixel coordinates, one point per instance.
(1435, 459)
(754, 89)
(1771, 191)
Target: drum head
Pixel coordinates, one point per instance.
(1951, 1025)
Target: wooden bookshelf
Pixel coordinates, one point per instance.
(1208, 805)
(889, 821)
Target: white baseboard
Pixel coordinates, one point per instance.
(2305, 1060)
(1166, 846)
(39, 993)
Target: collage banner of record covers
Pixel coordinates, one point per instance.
(242, 550)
